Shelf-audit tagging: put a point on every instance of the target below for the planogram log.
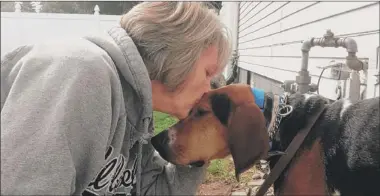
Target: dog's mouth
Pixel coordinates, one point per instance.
(160, 143)
(197, 163)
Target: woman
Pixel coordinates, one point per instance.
(77, 114)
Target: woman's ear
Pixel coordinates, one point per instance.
(248, 139)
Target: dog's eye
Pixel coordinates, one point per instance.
(200, 112)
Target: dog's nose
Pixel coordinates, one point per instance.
(160, 139)
(161, 143)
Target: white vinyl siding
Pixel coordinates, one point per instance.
(270, 36)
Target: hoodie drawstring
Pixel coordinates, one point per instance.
(143, 140)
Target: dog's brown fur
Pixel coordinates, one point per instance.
(308, 170)
(203, 137)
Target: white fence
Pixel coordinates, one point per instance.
(19, 28)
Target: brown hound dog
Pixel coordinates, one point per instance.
(341, 153)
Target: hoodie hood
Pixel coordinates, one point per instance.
(127, 59)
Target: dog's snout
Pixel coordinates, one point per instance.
(160, 138)
(161, 143)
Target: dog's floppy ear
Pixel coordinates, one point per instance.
(247, 137)
(221, 106)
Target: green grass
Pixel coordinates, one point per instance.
(162, 121)
(218, 170)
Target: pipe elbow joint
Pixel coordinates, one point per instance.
(306, 45)
(350, 45)
(354, 63)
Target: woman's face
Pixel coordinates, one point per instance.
(197, 82)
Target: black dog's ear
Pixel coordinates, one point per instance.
(221, 107)
(247, 137)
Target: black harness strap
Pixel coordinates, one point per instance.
(289, 153)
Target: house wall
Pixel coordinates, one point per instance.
(270, 35)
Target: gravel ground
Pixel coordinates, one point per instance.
(235, 189)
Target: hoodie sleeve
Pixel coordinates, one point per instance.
(162, 178)
(55, 119)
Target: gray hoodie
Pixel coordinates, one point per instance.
(76, 119)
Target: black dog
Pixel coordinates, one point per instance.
(348, 139)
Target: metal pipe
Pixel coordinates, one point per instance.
(356, 34)
(354, 92)
(305, 60)
(349, 44)
(328, 40)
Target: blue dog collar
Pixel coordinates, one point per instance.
(259, 95)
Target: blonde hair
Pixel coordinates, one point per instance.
(171, 36)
